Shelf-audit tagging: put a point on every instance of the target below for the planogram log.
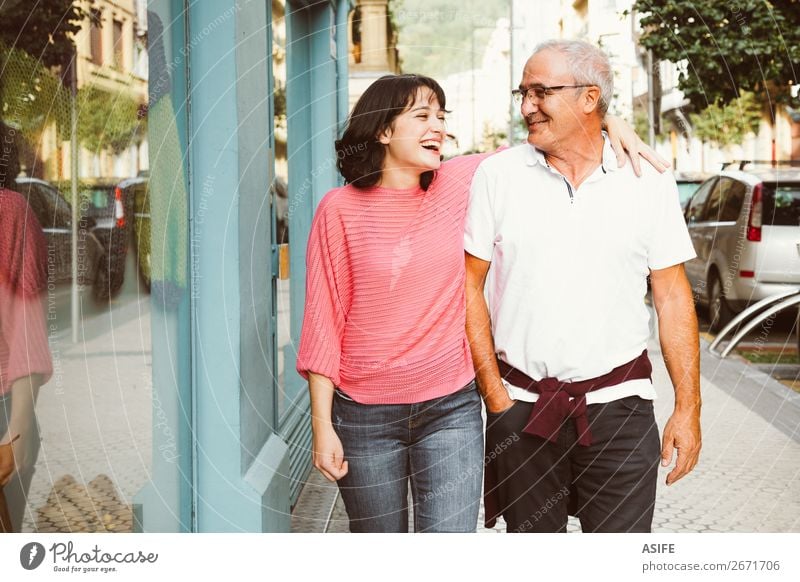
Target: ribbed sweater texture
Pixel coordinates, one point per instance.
(23, 265)
(385, 304)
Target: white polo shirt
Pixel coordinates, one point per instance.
(568, 275)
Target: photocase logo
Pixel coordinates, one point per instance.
(31, 555)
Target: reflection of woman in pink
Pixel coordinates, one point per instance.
(25, 362)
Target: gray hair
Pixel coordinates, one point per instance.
(589, 66)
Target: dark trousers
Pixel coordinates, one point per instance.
(610, 485)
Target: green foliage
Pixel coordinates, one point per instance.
(728, 47)
(641, 125)
(31, 96)
(437, 37)
(41, 29)
(728, 124)
(108, 121)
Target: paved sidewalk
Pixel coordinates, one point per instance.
(748, 478)
(95, 424)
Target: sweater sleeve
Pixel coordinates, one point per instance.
(324, 315)
(25, 338)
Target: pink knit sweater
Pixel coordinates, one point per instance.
(385, 307)
(23, 265)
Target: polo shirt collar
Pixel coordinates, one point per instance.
(608, 163)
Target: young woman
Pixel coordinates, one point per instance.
(383, 345)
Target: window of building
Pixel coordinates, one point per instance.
(96, 38)
(119, 62)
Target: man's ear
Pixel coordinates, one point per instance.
(591, 99)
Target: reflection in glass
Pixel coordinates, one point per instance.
(94, 409)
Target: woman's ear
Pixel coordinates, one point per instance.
(385, 136)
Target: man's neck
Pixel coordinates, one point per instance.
(577, 159)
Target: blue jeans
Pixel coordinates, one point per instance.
(436, 445)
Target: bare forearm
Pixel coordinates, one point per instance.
(479, 335)
(678, 334)
(321, 392)
(680, 346)
(23, 406)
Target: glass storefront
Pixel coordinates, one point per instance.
(87, 230)
(149, 307)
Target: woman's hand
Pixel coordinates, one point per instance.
(327, 453)
(18, 449)
(7, 465)
(624, 139)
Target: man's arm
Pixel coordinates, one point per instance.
(677, 330)
(479, 334)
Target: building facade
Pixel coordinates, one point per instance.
(235, 420)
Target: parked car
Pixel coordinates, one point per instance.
(109, 211)
(137, 192)
(688, 183)
(54, 214)
(281, 211)
(745, 226)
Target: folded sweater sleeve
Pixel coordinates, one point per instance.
(324, 314)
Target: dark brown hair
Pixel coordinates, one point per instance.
(359, 154)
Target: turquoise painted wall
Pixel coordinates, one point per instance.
(236, 464)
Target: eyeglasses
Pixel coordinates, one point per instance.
(540, 92)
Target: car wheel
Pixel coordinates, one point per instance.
(719, 314)
(102, 281)
(797, 330)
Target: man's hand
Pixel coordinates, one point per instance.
(623, 138)
(499, 402)
(682, 434)
(327, 453)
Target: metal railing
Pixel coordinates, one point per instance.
(754, 315)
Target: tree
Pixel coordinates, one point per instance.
(31, 97)
(44, 31)
(108, 121)
(729, 124)
(725, 47)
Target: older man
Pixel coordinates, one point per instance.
(566, 241)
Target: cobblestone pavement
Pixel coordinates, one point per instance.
(748, 478)
(95, 425)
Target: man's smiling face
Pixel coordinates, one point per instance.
(557, 115)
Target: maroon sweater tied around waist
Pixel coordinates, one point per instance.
(559, 400)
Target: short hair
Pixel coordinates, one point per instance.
(359, 154)
(589, 66)
(9, 156)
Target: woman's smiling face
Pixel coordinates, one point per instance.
(414, 141)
